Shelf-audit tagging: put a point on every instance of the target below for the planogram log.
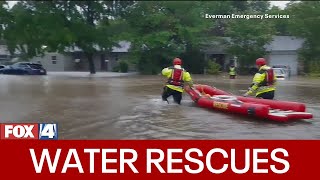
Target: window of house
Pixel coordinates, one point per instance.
(54, 59)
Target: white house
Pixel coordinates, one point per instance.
(282, 50)
(75, 59)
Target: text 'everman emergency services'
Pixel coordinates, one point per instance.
(246, 16)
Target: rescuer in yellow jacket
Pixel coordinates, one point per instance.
(264, 81)
(177, 79)
(232, 72)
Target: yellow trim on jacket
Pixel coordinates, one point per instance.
(167, 72)
(258, 78)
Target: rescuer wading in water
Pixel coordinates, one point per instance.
(264, 81)
(178, 78)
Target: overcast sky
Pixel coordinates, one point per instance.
(280, 4)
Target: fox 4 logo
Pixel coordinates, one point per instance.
(48, 131)
(29, 131)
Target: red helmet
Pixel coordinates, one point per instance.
(177, 61)
(260, 62)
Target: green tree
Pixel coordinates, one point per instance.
(240, 6)
(304, 22)
(4, 17)
(213, 68)
(253, 6)
(82, 19)
(164, 29)
(33, 27)
(258, 6)
(62, 25)
(248, 38)
(220, 8)
(280, 25)
(231, 7)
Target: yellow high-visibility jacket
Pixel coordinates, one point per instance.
(259, 82)
(186, 77)
(232, 71)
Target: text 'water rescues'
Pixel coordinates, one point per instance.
(173, 161)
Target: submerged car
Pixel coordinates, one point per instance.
(24, 68)
(280, 73)
(285, 68)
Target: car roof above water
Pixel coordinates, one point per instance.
(34, 63)
(27, 62)
(279, 70)
(280, 66)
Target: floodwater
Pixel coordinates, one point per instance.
(89, 107)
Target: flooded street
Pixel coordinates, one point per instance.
(131, 108)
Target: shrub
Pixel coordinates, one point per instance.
(314, 68)
(213, 68)
(123, 65)
(115, 69)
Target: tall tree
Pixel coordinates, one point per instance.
(258, 6)
(280, 25)
(82, 19)
(21, 33)
(232, 7)
(63, 24)
(33, 26)
(4, 17)
(252, 6)
(304, 22)
(219, 8)
(248, 38)
(165, 29)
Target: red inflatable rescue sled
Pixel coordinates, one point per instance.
(209, 97)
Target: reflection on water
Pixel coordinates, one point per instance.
(131, 108)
